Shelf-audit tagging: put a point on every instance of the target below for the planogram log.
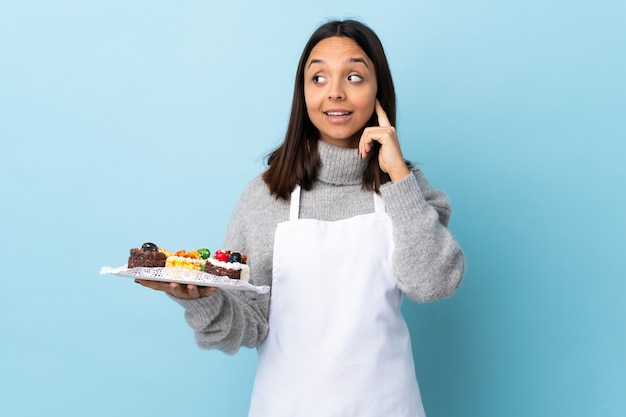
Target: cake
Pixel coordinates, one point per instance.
(229, 264)
(224, 263)
(194, 260)
(148, 256)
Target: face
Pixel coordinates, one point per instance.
(340, 90)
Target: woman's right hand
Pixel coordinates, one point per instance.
(182, 291)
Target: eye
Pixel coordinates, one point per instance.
(355, 78)
(318, 79)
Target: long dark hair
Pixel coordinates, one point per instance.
(297, 160)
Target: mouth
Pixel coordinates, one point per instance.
(337, 113)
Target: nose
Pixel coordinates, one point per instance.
(336, 90)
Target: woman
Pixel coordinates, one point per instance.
(341, 227)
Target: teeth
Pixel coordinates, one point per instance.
(337, 113)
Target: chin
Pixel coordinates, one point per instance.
(344, 142)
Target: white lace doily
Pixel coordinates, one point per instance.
(184, 276)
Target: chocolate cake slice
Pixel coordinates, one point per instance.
(148, 256)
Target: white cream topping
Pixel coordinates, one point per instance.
(235, 266)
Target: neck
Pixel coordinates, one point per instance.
(340, 165)
(352, 142)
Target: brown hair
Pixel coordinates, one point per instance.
(297, 160)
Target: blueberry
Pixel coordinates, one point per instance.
(235, 257)
(149, 247)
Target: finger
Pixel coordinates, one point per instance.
(155, 285)
(383, 120)
(372, 134)
(193, 291)
(186, 291)
(206, 291)
(177, 290)
(364, 145)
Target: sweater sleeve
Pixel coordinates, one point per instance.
(228, 320)
(427, 260)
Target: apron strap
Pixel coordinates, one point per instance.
(294, 208)
(294, 204)
(379, 204)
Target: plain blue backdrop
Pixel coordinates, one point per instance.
(130, 121)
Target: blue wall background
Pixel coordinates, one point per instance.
(128, 121)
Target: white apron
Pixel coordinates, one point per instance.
(337, 345)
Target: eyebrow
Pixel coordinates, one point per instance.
(351, 60)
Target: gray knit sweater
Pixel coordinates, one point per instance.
(427, 261)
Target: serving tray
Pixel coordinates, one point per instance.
(184, 276)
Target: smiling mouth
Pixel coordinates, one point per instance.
(337, 113)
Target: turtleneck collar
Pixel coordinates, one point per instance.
(341, 166)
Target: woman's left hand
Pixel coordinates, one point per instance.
(183, 291)
(390, 156)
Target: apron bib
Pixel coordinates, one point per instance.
(337, 343)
